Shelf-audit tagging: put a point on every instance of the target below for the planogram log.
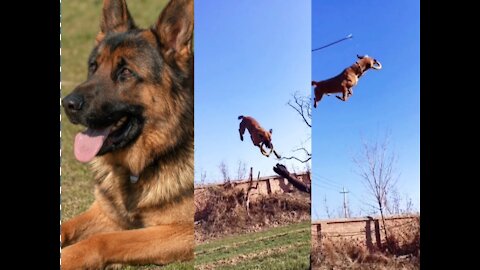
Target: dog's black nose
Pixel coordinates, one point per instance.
(73, 102)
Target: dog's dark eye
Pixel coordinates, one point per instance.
(92, 67)
(125, 74)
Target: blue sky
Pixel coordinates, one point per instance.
(250, 56)
(388, 99)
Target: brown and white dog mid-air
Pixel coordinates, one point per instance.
(260, 137)
(345, 81)
(137, 107)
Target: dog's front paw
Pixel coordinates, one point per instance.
(82, 255)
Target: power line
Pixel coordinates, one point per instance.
(327, 180)
(335, 42)
(324, 186)
(327, 185)
(321, 181)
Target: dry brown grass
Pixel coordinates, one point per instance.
(404, 239)
(401, 250)
(225, 212)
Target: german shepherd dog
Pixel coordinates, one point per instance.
(345, 81)
(260, 137)
(137, 107)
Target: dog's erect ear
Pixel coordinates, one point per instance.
(175, 29)
(360, 56)
(271, 130)
(116, 18)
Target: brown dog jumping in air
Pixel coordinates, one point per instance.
(345, 81)
(260, 137)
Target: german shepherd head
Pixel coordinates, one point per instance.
(137, 101)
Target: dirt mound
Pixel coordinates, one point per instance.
(222, 212)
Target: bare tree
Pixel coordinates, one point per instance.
(224, 171)
(327, 210)
(302, 105)
(307, 157)
(241, 170)
(203, 176)
(341, 212)
(376, 166)
(317, 216)
(408, 205)
(393, 204)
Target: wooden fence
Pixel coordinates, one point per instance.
(366, 231)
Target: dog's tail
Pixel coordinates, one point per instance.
(240, 117)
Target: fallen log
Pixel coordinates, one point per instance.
(283, 172)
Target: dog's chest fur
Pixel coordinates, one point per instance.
(163, 193)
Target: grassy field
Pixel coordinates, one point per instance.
(80, 25)
(285, 247)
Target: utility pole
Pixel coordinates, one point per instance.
(345, 201)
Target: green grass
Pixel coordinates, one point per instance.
(285, 247)
(173, 266)
(80, 25)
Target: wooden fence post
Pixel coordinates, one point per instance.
(378, 239)
(269, 187)
(368, 233)
(319, 235)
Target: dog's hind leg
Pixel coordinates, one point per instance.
(318, 97)
(241, 130)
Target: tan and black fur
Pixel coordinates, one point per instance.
(345, 81)
(143, 209)
(260, 136)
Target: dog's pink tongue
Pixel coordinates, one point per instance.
(88, 143)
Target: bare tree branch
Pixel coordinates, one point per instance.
(203, 177)
(304, 150)
(327, 210)
(224, 171)
(376, 166)
(301, 104)
(309, 155)
(241, 170)
(292, 157)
